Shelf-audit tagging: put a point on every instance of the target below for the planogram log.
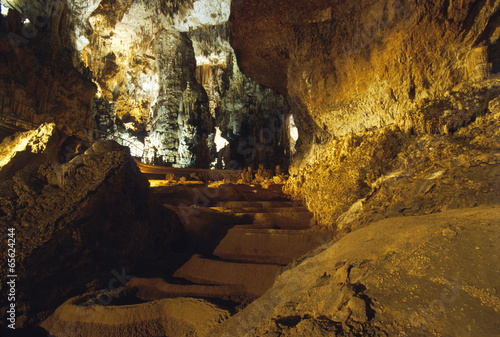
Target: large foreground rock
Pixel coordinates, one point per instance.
(87, 224)
(434, 275)
(179, 317)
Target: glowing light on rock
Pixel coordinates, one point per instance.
(35, 141)
(147, 88)
(130, 125)
(4, 9)
(98, 94)
(294, 134)
(81, 43)
(214, 59)
(136, 147)
(204, 12)
(220, 141)
(26, 21)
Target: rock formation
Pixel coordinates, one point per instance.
(397, 277)
(386, 173)
(369, 84)
(251, 117)
(181, 123)
(350, 67)
(118, 45)
(396, 104)
(55, 91)
(79, 223)
(133, 62)
(167, 317)
(397, 113)
(37, 146)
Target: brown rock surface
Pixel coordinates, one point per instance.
(76, 223)
(180, 317)
(398, 113)
(350, 66)
(377, 89)
(386, 173)
(237, 272)
(433, 275)
(244, 243)
(254, 278)
(157, 288)
(39, 81)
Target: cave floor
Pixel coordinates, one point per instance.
(238, 239)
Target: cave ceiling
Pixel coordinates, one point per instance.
(166, 76)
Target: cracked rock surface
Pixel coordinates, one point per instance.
(397, 277)
(76, 223)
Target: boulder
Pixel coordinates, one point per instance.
(79, 226)
(433, 275)
(180, 317)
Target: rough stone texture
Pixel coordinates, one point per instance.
(180, 317)
(122, 52)
(77, 222)
(351, 66)
(105, 115)
(366, 80)
(24, 148)
(116, 41)
(137, 62)
(395, 173)
(181, 123)
(465, 172)
(55, 91)
(148, 92)
(142, 84)
(396, 103)
(251, 117)
(409, 276)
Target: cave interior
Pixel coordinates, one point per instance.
(250, 168)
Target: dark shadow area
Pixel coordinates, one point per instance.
(28, 332)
